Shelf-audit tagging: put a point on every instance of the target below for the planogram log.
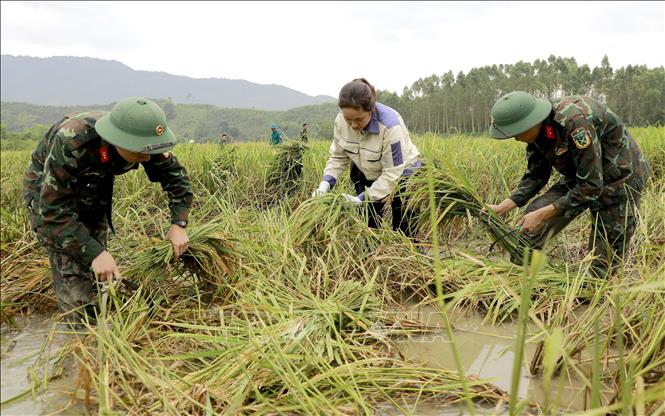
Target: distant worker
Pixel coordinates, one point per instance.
(373, 140)
(276, 137)
(224, 139)
(304, 132)
(68, 189)
(601, 166)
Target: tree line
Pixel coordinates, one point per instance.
(445, 104)
(462, 104)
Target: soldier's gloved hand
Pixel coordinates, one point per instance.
(323, 189)
(353, 200)
(105, 268)
(178, 237)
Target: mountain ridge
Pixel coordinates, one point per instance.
(67, 81)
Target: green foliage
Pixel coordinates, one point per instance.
(21, 140)
(449, 104)
(198, 122)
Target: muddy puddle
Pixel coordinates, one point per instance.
(20, 349)
(485, 351)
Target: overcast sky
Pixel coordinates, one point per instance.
(316, 47)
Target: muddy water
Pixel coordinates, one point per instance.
(486, 352)
(20, 349)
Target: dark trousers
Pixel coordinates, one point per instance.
(612, 228)
(74, 282)
(401, 220)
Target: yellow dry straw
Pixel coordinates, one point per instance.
(26, 284)
(280, 348)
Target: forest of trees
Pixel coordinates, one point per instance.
(440, 104)
(462, 103)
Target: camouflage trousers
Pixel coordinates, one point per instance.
(74, 283)
(612, 228)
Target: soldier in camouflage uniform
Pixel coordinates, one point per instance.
(68, 188)
(601, 169)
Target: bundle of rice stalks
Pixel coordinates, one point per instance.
(210, 257)
(285, 171)
(319, 223)
(455, 197)
(26, 284)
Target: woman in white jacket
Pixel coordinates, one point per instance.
(372, 139)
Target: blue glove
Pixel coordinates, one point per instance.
(353, 200)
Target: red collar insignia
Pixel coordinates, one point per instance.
(104, 154)
(549, 132)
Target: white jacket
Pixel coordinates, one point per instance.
(383, 151)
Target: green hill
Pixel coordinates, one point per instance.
(197, 122)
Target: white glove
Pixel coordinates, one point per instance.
(353, 200)
(323, 189)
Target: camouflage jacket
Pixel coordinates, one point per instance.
(68, 185)
(588, 144)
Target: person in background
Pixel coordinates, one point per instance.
(304, 133)
(276, 137)
(372, 141)
(602, 169)
(68, 189)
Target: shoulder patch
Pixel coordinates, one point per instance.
(581, 138)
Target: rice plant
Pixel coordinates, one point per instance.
(284, 304)
(455, 197)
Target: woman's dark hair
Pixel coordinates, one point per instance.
(358, 93)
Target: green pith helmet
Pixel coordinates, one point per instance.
(138, 125)
(517, 112)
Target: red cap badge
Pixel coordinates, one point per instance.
(549, 132)
(104, 154)
(159, 130)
